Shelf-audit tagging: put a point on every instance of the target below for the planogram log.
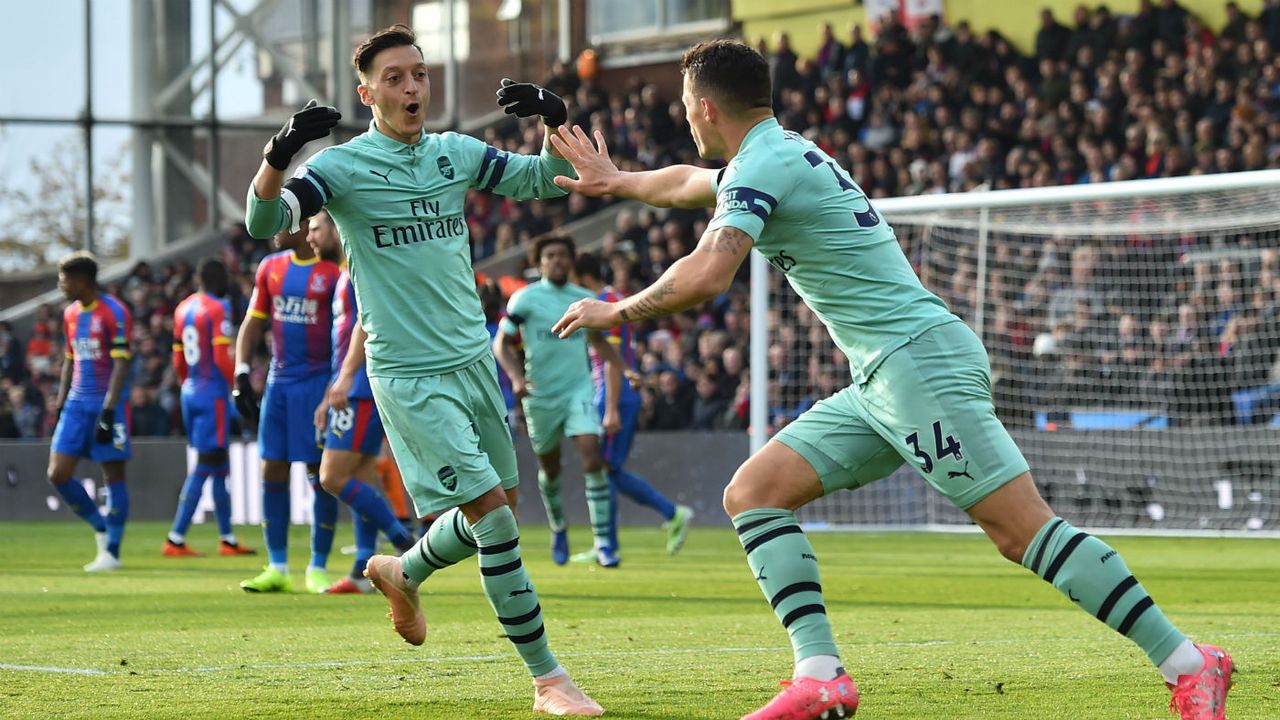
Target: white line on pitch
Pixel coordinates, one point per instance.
(47, 669)
(469, 658)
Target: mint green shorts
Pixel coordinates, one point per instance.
(449, 434)
(551, 419)
(928, 404)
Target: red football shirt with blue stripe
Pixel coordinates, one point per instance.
(297, 297)
(96, 333)
(621, 338)
(345, 316)
(202, 348)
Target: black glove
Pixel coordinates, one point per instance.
(104, 430)
(245, 398)
(526, 99)
(312, 122)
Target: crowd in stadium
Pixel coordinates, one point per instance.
(937, 109)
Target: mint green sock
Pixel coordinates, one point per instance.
(549, 488)
(1095, 577)
(599, 506)
(447, 542)
(786, 568)
(510, 591)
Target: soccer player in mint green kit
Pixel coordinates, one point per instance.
(396, 195)
(921, 385)
(558, 393)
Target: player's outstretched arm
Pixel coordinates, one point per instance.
(266, 212)
(523, 177)
(691, 280)
(682, 186)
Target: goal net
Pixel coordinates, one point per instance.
(1132, 329)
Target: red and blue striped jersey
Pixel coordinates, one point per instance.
(202, 346)
(297, 297)
(345, 316)
(97, 333)
(621, 338)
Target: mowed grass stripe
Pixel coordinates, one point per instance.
(932, 626)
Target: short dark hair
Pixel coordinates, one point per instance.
(397, 35)
(213, 276)
(80, 264)
(546, 240)
(588, 265)
(734, 73)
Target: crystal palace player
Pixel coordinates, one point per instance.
(352, 426)
(92, 398)
(555, 388)
(202, 359)
(616, 446)
(396, 195)
(921, 390)
(293, 293)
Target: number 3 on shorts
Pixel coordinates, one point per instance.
(951, 448)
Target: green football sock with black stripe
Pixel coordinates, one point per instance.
(447, 542)
(599, 506)
(786, 568)
(1095, 577)
(549, 488)
(510, 592)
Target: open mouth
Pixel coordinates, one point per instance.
(412, 108)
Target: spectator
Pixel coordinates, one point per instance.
(672, 403)
(1052, 38)
(830, 58)
(148, 418)
(12, 363)
(8, 424)
(709, 405)
(782, 69)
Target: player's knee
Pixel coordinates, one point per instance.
(740, 495)
(55, 476)
(332, 481)
(592, 463)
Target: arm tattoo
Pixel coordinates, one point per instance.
(622, 312)
(649, 304)
(724, 240)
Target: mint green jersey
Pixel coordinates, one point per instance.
(816, 225)
(399, 210)
(555, 367)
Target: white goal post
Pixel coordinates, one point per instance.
(1134, 336)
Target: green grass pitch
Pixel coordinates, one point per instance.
(931, 626)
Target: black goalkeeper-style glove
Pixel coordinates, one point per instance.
(312, 122)
(527, 99)
(103, 431)
(246, 399)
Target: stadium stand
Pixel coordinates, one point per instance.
(938, 109)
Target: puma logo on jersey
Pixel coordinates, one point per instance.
(953, 474)
(385, 176)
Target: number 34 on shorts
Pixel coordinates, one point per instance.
(941, 449)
